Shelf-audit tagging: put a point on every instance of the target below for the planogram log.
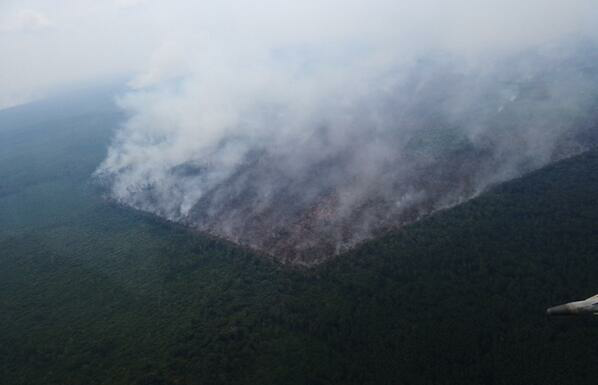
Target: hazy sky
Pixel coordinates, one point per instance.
(46, 44)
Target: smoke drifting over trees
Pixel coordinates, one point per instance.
(302, 129)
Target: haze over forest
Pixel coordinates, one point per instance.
(301, 129)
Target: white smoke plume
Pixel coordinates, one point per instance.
(303, 128)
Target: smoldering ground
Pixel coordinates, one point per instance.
(302, 130)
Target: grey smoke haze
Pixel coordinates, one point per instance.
(46, 44)
(287, 125)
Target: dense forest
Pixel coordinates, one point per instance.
(93, 293)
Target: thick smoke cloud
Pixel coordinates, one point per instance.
(303, 128)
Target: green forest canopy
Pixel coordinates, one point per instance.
(92, 293)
